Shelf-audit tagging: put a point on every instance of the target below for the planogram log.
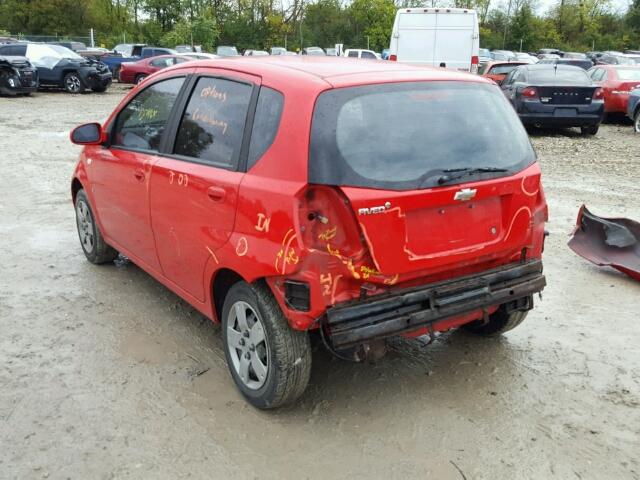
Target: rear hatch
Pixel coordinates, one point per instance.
(437, 174)
(565, 95)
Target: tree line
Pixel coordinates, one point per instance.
(572, 25)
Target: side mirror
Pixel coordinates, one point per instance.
(88, 134)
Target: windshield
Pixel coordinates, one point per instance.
(402, 136)
(628, 73)
(559, 75)
(484, 52)
(48, 56)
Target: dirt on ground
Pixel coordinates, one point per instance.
(104, 373)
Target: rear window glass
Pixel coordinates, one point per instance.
(628, 74)
(501, 69)
(559, 74)
(265, 123)
(401, 136)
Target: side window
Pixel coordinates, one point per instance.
(510, 78)
(14, 50)
(598, 74)
(162, 62)
(141, 123)
(368, 55)
(603, 75)
(212, 125)
(353, 53)
(265, 123)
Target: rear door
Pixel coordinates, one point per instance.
(454, 40)
(120, 174)
(416, 37)
(194, 185)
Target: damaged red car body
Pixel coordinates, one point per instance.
(282, 195)
(613, 242)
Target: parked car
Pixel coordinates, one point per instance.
(617, 82)
(525, 58)
(610, 59)
(301, 210)
(132, 53)
(136, 72)
(436, 37)
(555, 96)
(317, 51)
(60, 67)
(17, 76)
(484, 55)
(331, 51)
(255, 53)
(550, 51)
(574, 55)
(497, 71)
(584, 64)
(278, 51)
(360, 53)
(633, 56)
(633, 108)
(202, 56)
(188, 49)
(73, 46)
(547, 56)
(385, 54)
(227, 51)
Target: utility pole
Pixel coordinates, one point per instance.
(521, 45)
(368, 42)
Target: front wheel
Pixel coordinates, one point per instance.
(636, 122)
(93, 245)
(73, 83)
(269, 361)
(589, 130)
(499, 322)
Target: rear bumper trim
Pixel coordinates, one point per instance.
(406, 310)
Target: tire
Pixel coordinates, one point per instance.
(499, 323)
(91, 240)
(140, 78)
(116, 73)
(72, 83)
(281, 355)
(636, 121)
(589, 130)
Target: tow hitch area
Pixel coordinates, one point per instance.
(613, 242)
(409, 309)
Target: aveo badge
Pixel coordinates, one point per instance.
(374, 210)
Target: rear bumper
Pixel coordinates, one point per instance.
(407, 310)
(537, 113)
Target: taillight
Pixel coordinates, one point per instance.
(475, 60)
(327, 222)
(529, 92)
(598, 94)
(393, 58)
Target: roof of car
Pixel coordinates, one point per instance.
(549, 66)
(335, 70)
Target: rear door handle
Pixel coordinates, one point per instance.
(216, 194)
(139, 174)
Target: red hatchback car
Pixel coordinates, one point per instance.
(281, 195)
(135, 72)
(616, 81)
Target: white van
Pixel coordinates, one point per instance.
(436, 36)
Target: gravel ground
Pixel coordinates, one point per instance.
(106, 374)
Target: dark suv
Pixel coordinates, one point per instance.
(60, 67)
(17, 76)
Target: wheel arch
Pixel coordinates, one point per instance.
(76, 186)
(221, 282)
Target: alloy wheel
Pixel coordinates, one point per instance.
(73, 83)
(248, 345)
(85, 226)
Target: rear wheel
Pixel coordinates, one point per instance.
(269, 361)
(72, 83)
(499, 322)
(589, 130)
(93, 245)
(636, 121)
(140, 78)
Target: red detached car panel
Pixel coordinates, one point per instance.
(279, 196)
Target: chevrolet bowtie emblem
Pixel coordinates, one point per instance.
(465, 194)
